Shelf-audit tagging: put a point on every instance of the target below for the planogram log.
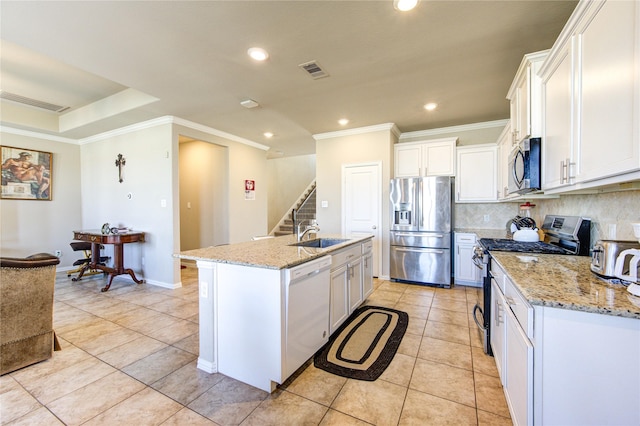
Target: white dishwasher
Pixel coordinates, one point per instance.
(307, 311)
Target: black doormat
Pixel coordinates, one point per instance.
(363, 347)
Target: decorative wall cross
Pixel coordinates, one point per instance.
(120, 161)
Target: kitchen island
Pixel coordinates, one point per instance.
(266, 306)
(566, 342)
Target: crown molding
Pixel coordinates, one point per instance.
(168, 119)
(37, 135)
(220, 133)
(454, 129)
(358, 130)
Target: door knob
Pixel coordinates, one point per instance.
(374, 227)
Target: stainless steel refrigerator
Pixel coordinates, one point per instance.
(421, 230)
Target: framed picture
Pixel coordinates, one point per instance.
(26, 174)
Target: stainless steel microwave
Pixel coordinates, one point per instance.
(524, 167)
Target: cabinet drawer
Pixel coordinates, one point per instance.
(520, 307)
(367, 247)
(463, 237)
(498, 274)
(345, 255)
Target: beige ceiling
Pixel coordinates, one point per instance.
(188, 59)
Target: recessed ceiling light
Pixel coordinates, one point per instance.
(268, 135)
(404, 5)
(343, 121)
(430, 106)
(258, 53)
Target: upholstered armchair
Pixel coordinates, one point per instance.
(26, 310)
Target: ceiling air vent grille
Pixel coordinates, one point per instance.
(314, 69)
(32, 102)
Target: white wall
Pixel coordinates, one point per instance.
(246, 218)
(148, 178)
(288, 177)
(203, 195)
(331, 154)
(34, 226)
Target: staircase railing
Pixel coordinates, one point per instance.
(294, 212)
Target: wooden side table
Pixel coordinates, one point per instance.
(95, 237)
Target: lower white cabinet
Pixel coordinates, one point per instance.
(351, 282)
(571, 368)
(518, 384)
(339, 300)
(465, 271)
(498, 328)
(367, 275)
(512, 348)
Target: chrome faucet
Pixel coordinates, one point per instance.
(313, 226)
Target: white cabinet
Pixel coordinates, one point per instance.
(557, 141)
(498, 328)
(465, 271)
(504, 149)
(511, 330)
(518, 384)
(351, 281)
(608, 92)
(476, 177)
(355, 284)
(426, 158)
(367, 269)
(569, 357)
(339, 301)
(525, 97)
(591, 94)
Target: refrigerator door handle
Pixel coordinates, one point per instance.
(417, 234)
(419, 250)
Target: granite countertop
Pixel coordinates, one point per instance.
(483, 233)
(270, 253)
(566, 282)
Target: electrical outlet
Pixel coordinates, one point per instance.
(204, 289)
(58, 253)
(487, 218)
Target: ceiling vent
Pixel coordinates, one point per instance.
(32, 102)
(314, 69)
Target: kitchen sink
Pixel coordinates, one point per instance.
(320, 242)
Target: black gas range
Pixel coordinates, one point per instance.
(568, 235)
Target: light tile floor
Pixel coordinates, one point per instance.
(129, 357)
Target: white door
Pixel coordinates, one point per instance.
(361, 204)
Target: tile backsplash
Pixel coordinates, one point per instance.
(611, 214)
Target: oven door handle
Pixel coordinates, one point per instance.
(477, 260)
(477, 308)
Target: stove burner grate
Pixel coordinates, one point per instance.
(502, 244)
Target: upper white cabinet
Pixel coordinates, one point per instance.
(436, 157)
(476, 176)
(525, 97)
(608, 88)
(591, 94)
(504, 149)
(558, 89)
